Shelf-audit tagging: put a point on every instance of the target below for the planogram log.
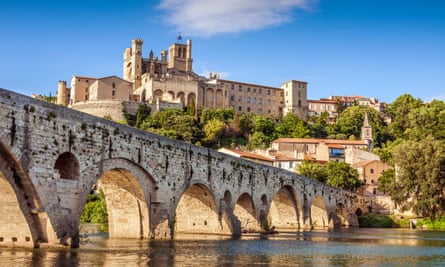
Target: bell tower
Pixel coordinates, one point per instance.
(366, 134)
(180, 56)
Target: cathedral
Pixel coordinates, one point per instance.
(169, 81)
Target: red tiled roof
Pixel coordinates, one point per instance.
(317, 141)
(250, 155)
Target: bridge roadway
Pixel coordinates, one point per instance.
(155, 187)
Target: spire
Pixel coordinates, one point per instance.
(366, 133)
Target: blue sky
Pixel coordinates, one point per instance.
(374, 48)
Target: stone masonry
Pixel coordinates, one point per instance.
(155, 187)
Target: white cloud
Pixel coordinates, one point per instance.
(211, 17)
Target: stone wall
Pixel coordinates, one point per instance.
(165, 177)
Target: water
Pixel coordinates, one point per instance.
(353, 247)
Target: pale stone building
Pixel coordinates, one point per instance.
(170, 78)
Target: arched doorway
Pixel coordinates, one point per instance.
(197, 212)
(283, 211)
(245, 212)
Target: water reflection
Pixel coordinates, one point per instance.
(358, 247)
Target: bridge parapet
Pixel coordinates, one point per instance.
(151, 182)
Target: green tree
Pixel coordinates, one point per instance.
(95, 210)
(342, 176)
(213, 131)
(399, 111)
(291, 126)
(420, 176)
(313, 170)
(387, 182)
(263, 131)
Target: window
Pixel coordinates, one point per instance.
(248, 99)
(254, 90)
(268, 92)
(260, 101)
(240, 88)
(114, 85)
(225, 93)
(374, 191)
(299, 94)
(268, 111)
(268, 101)
(240, 108)
(260, 110)
(248, 109)
(248, 89)
(232, 98)
(240, 99)
(371, 170)
(260, 90)
(254, 100)
(232, 86)
(113, 93)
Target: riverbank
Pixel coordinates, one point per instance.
(393, 221)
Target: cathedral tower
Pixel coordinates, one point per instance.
(133, 63)
(180, 56)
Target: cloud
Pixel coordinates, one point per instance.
(210, 17)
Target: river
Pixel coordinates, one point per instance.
(350, 247)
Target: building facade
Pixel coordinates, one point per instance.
(170, 78)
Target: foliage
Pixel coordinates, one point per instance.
(376, 221)
(399, 111)
(432, 224)
(291, 126)
(313, 170)
(342, 176)
(336, 174)
(420, 181)
(95, 210)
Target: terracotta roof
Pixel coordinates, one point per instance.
(250, 155)
(282, 157)
(336, 146)
(317, 141)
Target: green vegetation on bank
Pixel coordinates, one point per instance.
(95, 211)
(391, 221)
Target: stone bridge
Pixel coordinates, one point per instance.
(155, 187)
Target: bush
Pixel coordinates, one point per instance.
(376, 221)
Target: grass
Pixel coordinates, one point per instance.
(376, 221)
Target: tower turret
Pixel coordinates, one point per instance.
(62, 93)
(133, 62)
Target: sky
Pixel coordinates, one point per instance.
(371, 48)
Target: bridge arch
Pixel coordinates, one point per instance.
(245, 211)
(319, 213)
(197, 212)
(21, 223)
(284, 211)
(128, 189)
